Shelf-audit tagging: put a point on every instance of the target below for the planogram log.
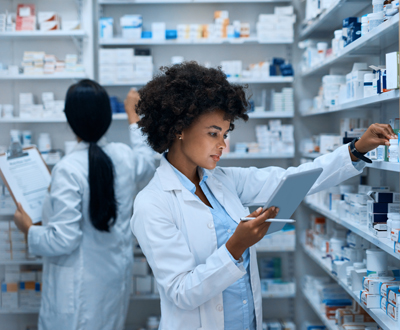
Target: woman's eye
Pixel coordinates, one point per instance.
(213, 134)
(225, 136)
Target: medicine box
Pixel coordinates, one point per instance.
(364, 189)
(373, 207)
(386, 287)
(380, 233)
(395, 235)
(385, 197)
(373, 285)
(9, 295)
(392, 311)
(392, 70)
(383, 304)
(374, 218)
(370, 300)
(393, 294)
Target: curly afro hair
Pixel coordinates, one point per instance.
(181, 93)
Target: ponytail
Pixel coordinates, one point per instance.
(88, 111)
(103, 205)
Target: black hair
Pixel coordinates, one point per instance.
(181, 93)
(88, 111)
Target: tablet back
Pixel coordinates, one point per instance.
(289, 194)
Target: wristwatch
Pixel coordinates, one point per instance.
(358, 154)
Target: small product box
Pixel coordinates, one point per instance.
(396, 247)
(395, 235)
(375, 218)
(9, 295)
(373, 285)
(380, 233)
(385, 197)
(373, 207)
(370, 300)
(384, 304)
(393, 294)
(392, 311)
(106, 28)
(364, 189)
(385, 287)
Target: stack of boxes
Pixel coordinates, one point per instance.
(50, 108)
(122, 65)
(12, 242)
(283, 102)
(277, 26)
(26, 18)
(20, 288)
(37, 63)
(275, 138)
(143, 282)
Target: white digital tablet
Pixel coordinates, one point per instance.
(289, 194)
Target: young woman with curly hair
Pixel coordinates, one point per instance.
(186, 219)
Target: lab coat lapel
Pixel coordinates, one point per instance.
(220, 194)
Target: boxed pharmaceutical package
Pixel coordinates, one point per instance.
(392, 70)
(385, 287)
(9, 295)
(374, 285)
(370, 300)
(374, 207)
(393, 295)
(383, 304)
(385, 196)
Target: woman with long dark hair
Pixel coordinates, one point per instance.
(85, 238)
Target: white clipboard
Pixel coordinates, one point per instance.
(27, 178)
(289, 194)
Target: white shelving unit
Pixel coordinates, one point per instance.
(384, 166)
(133, 2)
(150, 42)
(369, 44)
(54, 76)
(43, 34)
(21, 262)
(370, 102)
(378, 315)
(370, 48)
(331, 18)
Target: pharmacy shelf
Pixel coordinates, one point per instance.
(271, 114)
(42, 34)
(272, 250)
(364, 103)
(378, 315)
(57, 76)
(19, 311)
(384, 166)
(144, 2)
(269, 80)
(285, 295)
(332, 18)
(21, 262)
(33, 120)
(256, 155)
(381, 37)
(330, 324)
(151, 42)
(126, 83)
(383, 243)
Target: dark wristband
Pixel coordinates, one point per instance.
(356, 153)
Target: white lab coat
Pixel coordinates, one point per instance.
(87, 273)
(176, 233)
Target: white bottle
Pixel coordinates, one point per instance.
(394, 221)
(15, 135)
(153, 323)
(44, 143)
(393, 151)
(26, 138)
(369, 87)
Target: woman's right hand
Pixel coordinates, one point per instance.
(132, 99)
(248, 233)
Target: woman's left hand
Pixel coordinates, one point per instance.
(376, 135)
(22, 219)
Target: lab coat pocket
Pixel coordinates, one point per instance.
(61, 288)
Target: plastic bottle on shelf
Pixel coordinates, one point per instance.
(393, 151)
(364, 25)
(15, 136)
(393, 222)
(377, 5)
(375, 19)
(26, 138)
(44, 143)
(370, 88)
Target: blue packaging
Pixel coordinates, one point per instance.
(171, 34)
(147, 34)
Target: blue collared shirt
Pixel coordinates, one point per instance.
(238, 300)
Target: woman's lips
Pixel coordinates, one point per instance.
(215, 157)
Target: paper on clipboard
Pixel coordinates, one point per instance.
(27, 178)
